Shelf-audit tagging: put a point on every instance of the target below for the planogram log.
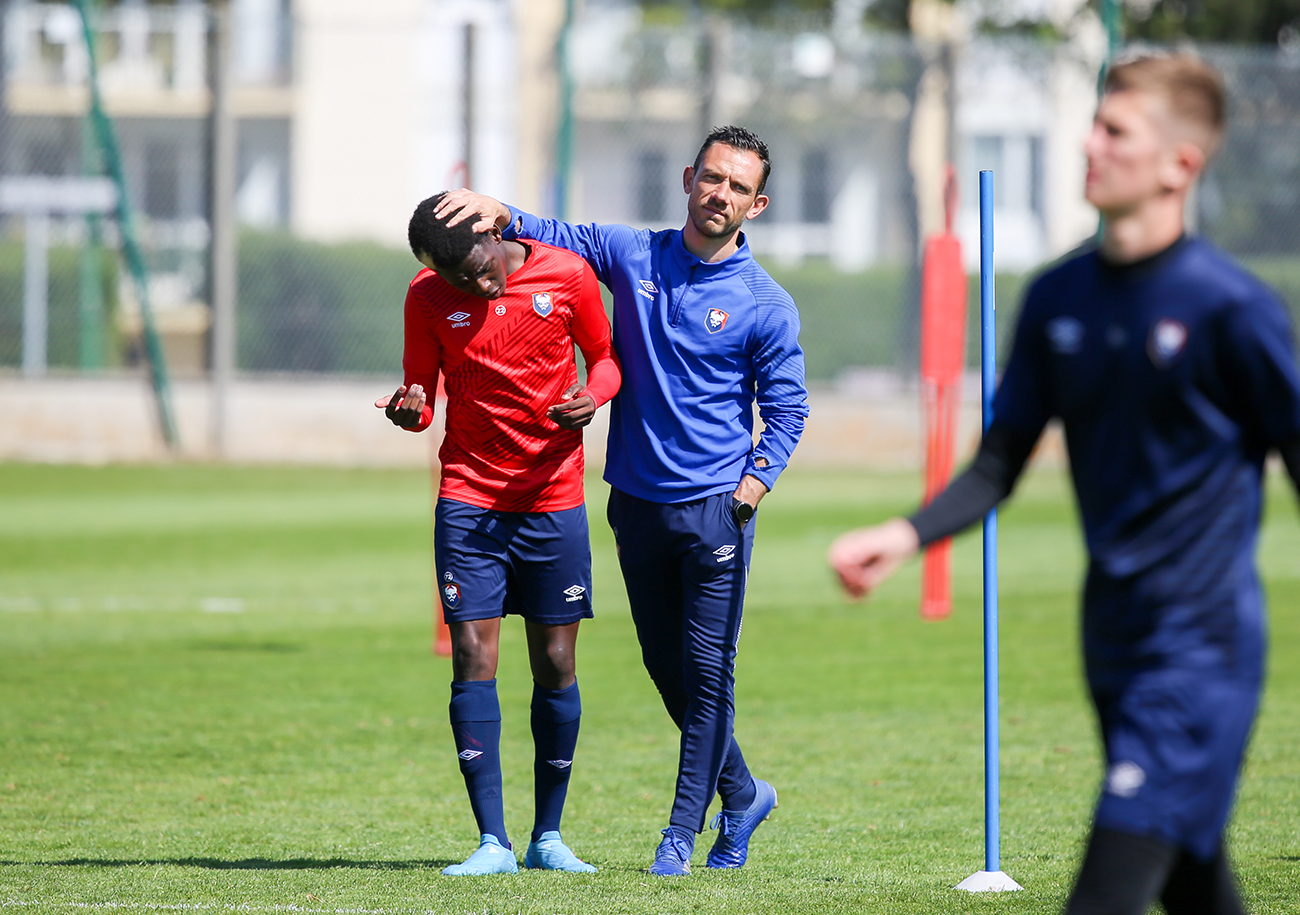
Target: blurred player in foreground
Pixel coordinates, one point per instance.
(1174, 373)
(702, 333)
(499, 320)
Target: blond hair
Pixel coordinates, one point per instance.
(1192, 89)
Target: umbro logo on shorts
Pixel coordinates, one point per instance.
(1125, 778)
(467, 755)
(459, 319)
(575, 593)
(560, 763)
(725, 552)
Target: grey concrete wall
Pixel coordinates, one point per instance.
(333, 421)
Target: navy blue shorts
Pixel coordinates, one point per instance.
(1175, 741)
(491, 563)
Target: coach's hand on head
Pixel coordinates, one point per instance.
(405, 406)
(464, 203)
(867, 556)
(574, 410)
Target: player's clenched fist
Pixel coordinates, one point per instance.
(574, 410)
(865, 557)
(405, 406)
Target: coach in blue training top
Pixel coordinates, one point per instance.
(1174, 373)
(702, 332)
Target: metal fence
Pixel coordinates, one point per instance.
(859, 125)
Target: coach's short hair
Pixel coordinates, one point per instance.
(738, 138)
(1191, 87)
(446, 246)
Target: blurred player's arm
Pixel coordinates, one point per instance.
(604, 375)
(865, 557)
(411, 406)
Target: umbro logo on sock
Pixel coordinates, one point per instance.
(725, 552)
(560, 763)
(467, 755)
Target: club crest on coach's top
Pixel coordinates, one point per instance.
(542, 303)
(1168, 337)
(715, 320)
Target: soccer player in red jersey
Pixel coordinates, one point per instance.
(499, 320)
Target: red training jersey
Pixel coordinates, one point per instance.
(505, 361)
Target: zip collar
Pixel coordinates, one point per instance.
(698, 269)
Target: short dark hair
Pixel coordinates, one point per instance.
(738, 138)
(447, 246)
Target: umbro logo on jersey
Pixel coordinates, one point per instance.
(560, 763)
(575, 592)
(542, 304)
(459, 319)
(715, 320)
(1168, 338)
(467, 755)
(450, 594)
(1065, 334)
(648, 289)
(725, 552)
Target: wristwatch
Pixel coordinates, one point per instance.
(741, 511)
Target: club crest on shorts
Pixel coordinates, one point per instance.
(715, 320)
(1168, 337)
(542, 304)
(451, 594)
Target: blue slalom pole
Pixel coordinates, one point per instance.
(988, 378)
(991, 879)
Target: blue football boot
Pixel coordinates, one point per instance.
(673, 856)
(491, 858)
(549, 853)
(731, 848)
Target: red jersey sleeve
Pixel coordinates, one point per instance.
(591, 333)
(421, 355)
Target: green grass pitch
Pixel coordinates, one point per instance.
(216, 693)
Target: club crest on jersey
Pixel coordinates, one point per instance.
(542, 304)
(1065, 334)
(1168, 337)
(451, 594)
(715, 320)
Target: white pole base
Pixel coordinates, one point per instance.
(988, 882)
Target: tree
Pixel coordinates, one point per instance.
(1238, 21)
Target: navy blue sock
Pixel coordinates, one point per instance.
(740, 801)
(476, 725)
(555, 719)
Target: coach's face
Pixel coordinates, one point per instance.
(482, 272)
(1133, 153)
(723, 191)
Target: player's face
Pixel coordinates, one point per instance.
(481, 273)
(1129, 152)
(723, 191)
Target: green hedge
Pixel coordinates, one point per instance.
(63, 348)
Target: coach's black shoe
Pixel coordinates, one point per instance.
(731, 848)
